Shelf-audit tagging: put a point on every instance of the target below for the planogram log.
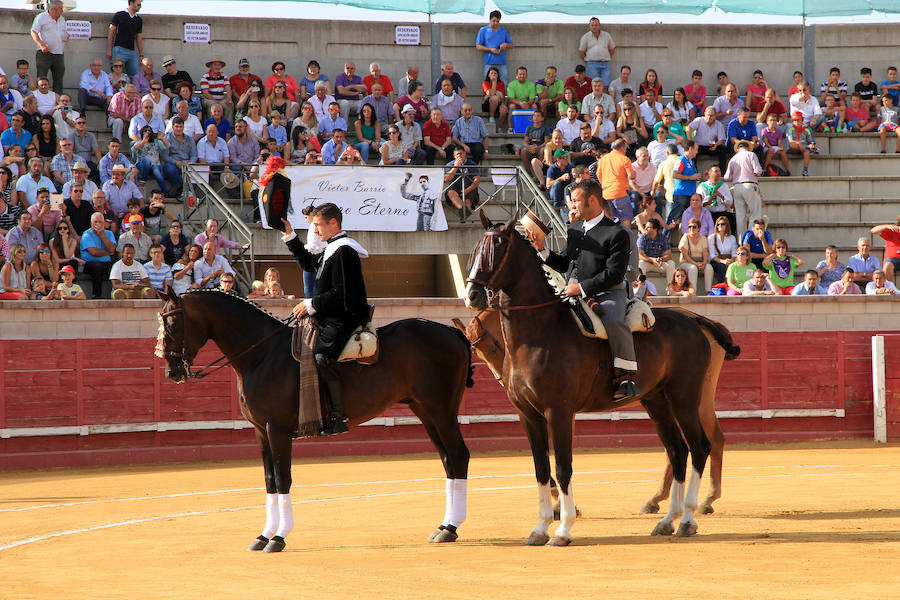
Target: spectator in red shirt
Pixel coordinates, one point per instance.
(240, 81)
(756, 92)
(580, 82)
(376, 76)
(891, 236)
(436, 136)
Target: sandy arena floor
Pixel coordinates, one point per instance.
(810, 521)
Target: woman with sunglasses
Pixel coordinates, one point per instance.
(254, 92)
(279, 74)
(278, 100)
(394, 151)
(630, 127)
(722, 248)
(160, 101)
(680, 285)
(44, 265)
(740, 271)
(183, 269)
(15, 275)
(313, 75)
(117, 75)
(304, 134)
(695, 255)
(174, 243)
(64, 247)
(257, 126)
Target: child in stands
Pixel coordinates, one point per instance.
(889, 122)
(801, 141)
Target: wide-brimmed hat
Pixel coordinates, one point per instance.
(120, 167)
(532, 224)
(80, 166)
(167, 60)
(215, 59)
(229, 179)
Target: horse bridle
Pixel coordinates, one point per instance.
(488, 285)
(188, 362)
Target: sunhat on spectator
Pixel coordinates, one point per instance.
(120, 167)
(409, 108)
(80, 166)
(215, 59)
(167, 60)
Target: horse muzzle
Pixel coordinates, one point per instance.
(476, 297)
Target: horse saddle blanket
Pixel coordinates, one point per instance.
(638, 315)
(361, 347)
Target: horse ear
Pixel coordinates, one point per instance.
(458, 324)
(511, 224)
(485, 222)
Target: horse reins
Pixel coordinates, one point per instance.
(201, 374)
(489, 287)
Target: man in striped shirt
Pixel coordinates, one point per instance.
(158, 272)
(216, 89)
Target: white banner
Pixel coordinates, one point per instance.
(197, 33)
(372, 198)
(78, 30)
(407, 35)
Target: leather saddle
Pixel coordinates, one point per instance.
(638, 315)
(361, 347)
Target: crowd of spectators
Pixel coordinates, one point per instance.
(621, 132)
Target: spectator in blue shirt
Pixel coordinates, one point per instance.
(494, 41)
(94, 88)
(760, 242)
(334, 147)
(744, 128)
(97, 248)
(810, 286)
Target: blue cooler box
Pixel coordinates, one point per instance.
(521, 120)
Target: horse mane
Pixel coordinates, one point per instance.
(233, 298)
(536, 259)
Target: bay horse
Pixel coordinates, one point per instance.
(552, 372)
(483, 332)
(422, 364)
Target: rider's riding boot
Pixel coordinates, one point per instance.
(624, 386)
(335, 421)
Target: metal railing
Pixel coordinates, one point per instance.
(202, 201)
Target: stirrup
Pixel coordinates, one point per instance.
(335, 425)
(626, 389)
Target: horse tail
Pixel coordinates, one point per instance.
(720, 333)
(470, 381)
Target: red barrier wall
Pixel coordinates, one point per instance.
(85, 382)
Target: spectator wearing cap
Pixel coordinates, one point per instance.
(145, 77)
(411, 134)
(580, 82)
(173, 77)
(98, 246)
(28, 185)
(67, 289)
(137, 238)
(123, 106)
(240, 81)
(26, 235)
(349, 90)
(94, 87)
(279, 73)
(117, 75)
(129, 277)
(119, 190)
(558, 177)
(214, 87)
(78, 209)
(208, 271)
(126, 38)
(113, 158)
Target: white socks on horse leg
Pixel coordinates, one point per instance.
(271, 515)
(545, 508)
(285, 515)
(455, 507)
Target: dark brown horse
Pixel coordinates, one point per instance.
(483, 332)
(423, 364)
(553, 372)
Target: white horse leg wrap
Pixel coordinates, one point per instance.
(692, 496)
(271, 515)
(545, 508)
(285, 515)
(448, 502)
(566, 513)
(458, 502)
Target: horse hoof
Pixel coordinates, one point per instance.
(663, 528)
(445, 535)
(558, 540)
(649, 508)
(537, 539)
(258, 544)
(707, 509)
(276, 544)
(686, 530)
(436, 533)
